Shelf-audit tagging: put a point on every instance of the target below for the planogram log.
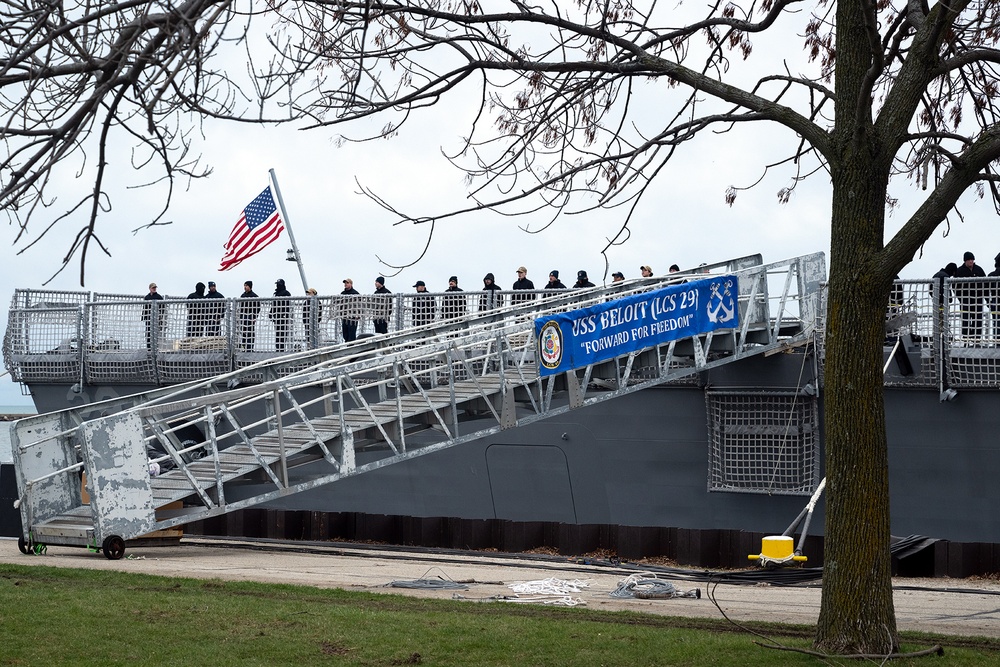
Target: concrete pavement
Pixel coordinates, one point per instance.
(946, 606)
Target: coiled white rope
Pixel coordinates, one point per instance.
(549, 591)
(551, 586)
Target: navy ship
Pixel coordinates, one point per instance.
(470, 422)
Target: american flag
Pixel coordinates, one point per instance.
(259, 225)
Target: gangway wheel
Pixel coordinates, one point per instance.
(113, 547)
(24, 546)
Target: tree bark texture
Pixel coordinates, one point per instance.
(857, 490)
(856, 613)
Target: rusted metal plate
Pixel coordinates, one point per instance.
(38, 451)
(118, 476)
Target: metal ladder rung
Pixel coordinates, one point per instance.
(70, 522)
(159, 483)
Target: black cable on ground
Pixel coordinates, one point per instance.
(788, 576)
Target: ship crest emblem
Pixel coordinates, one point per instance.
(721, 308)
(550, 345)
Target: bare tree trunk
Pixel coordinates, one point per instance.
(856, 614)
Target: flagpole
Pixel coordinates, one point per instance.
(288, 227)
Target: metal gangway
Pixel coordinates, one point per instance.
(158, 460)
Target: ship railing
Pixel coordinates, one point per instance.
(107, 339)
(358, 406)
(947, 338)
(967, 315)
(123, 340)
(41, 299)
(43, 337)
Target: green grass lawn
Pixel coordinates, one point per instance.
(56, 616)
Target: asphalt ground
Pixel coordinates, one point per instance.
(959, 607)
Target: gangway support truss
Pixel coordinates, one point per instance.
(392, 398)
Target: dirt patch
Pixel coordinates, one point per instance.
(333, 648)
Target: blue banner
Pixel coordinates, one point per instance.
(590, 335)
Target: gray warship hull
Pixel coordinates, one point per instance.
(733, 447)
(643, 460)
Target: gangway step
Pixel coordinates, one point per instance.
(234, 463)
(301, 439)
(74, 527)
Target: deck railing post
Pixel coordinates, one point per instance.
(213, 443)
(276, 399)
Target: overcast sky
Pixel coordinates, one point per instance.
(684, 219)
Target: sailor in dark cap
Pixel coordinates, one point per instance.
(423, 305)
(196, 312)
(937, 286)
(249, 309)
(214, 312)
(382, 307)
(582, 280)
(617, 277)
(147, 313)
(970, 296)
(453, 306)
(350, 311)
(554, 282)
(969, 268)
(492, 296)
(281, 315)
(522, 284)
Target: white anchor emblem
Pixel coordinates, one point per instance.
(728, 311)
